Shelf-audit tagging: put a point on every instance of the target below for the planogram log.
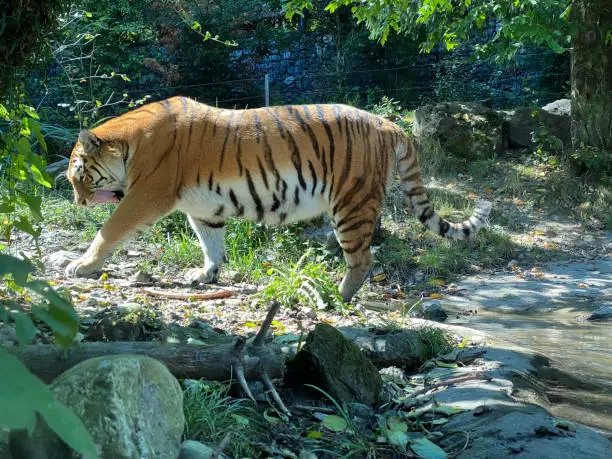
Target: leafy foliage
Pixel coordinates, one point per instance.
(450, 23)
(304, 282)
(21, 167)
(23, 394)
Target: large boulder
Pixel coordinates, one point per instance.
(468, 130)
(131, 405)
(555, 118)
(332, 362)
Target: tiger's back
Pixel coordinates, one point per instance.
(274, 165)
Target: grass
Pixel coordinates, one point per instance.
(211, 414)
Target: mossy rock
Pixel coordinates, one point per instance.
(131, 405)
(333, 362)
(466, 130)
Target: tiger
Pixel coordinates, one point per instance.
(274, 165)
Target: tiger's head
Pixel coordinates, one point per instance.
(96, 170)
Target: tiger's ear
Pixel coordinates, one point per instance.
(92, 144)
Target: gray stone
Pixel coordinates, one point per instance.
(191, 449)
(433, 310)
(555, 117)
(468, 130)
(131, 405)
(338, 366)
(604, 313)
(60, 259)
(141, 276)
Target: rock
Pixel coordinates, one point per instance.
(126, 323)
(131, 405)
(512, 264)
(191, 449)
(335, 364)
(60, 259)
(604, 313)
(309, 313)
(433, 310)
(392, 374)
(555, 117)
(237, 278)
(141, 276)
(8, 336)
(468, 130)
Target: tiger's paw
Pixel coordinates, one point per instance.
(202, 275)
(82, 267)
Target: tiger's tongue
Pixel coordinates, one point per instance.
(104, 196)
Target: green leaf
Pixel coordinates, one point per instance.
(18, 268)
(23, 395)
(241, 420)
(447, 410)
(427, 449)
(34, 203)
(26, 331)
(314, 434)
(335, 423)
(397, 438)
(396, 424)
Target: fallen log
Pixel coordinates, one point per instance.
(192, 361)
(215, 361)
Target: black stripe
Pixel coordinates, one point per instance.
(279, 123)
(216, 119)
(296, 196)
(218, 190)
(166, 106)
(314, 177)
(205, 122)
(227, 133)
(257, 125)
(212, 224)
(270, 161)
(263, 173)
(283, 216)
(210, 181)
(324, 164)
(306, 128)
(219, 211)
(355, 225)
(275, 204)
(255, 196)
(427, 214)
(347, 163)
(337, 112)
(330, 137)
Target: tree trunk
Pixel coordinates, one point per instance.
(591, 75)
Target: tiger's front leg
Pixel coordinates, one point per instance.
(211, 235)
(131, 216)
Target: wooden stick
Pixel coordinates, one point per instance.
(217, 295)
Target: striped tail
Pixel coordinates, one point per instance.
(415, 195)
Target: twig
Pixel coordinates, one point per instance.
(219, 449)
(263, 330)
(451, 382)
(187, 296)
(319, 409)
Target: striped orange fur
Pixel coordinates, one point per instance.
(273, 165)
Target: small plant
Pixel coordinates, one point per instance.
(210, 414)
(304, 282)
(548, 146)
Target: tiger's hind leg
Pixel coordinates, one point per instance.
(355, 236)
(211, 236)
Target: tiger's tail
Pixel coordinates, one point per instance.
(415, 195)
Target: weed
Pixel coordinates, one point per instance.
(210, 414)
(304, 281)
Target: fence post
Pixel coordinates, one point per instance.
(267, 90)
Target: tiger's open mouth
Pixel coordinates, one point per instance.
(107, 196)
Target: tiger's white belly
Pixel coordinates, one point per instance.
(206, 204)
